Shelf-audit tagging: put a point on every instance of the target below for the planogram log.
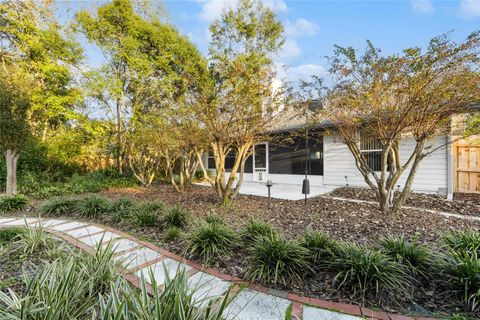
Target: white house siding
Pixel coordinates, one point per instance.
(431, 175)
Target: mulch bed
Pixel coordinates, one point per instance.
(463, 203)
(343, 220)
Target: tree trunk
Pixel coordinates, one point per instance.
(11, 158)
(119, 135)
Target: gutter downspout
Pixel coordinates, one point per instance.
(449, 168)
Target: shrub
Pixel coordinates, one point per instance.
(172, 234)
(121, 209)
(176, 217)
(209, 241)
(461, 274)
(213, 218)
(274, 259)
(462, 240)
(320, 247)
(144, 218)
(13, 203)
(414, 256)
(255, 229)
(152, 206)
(10, 234)
(92, 207)
(33, 239)
(370, 273)
(58, 206)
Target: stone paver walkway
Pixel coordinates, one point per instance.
(247, 301)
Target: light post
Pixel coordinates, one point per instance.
(312, 106)
(269, 185)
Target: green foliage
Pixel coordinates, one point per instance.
(320, 246)
(122, 209)
(274, 259)
(462, 240)
(370, 274)
(414, 256)
(175, 301)
(58, 206)
(92, 207)
(176, 217)
(172, 234)
(209, 241)
(460, 274)
(10, 234)
(255, 229)
(13, 203)
(214, 218)
(143, 217)
(33, 239)
(156, 207)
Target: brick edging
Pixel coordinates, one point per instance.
(297, 300)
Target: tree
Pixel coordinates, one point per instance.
(14, 128)
(408, 96)
(244, 104)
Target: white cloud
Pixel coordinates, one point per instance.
(212, 9)
(301, 27)
(305, 72)
(289, 51)
(470, 8)
(422, 6)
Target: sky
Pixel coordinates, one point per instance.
(313, 27)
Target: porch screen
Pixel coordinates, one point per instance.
(229, 162)
(371, 149)
(288, 156)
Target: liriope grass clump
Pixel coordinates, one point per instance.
(214, 218)
(209, 241)
(176, 217)
(462, 240)
(13, 203)
(58, 206)
(156, 207)
(255, 229)
(121, 209)
(273, 259)
(92, 207)
(416, 257)
(172, 234)
(321, 248)
(371, 274)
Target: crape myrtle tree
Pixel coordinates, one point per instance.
(243, 104)
(406, 96)
(14, 128)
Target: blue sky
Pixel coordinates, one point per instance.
(314, 27)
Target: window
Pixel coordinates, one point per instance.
(371, 148)
(288, 156)
(229, 162)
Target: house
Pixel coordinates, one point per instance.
(455, 166)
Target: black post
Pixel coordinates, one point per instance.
(306, 183)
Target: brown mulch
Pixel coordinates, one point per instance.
(463, 203)
(343, 220)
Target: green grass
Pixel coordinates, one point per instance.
(92, 207)
(144, 218)
(416, 257)
(321, 248)
(13, 203)
(172, 234)
(121, 209)
(209, 241)
(176, 217)
(255, 229)
(462, 240)
(214, 218)
(58, 206)
(10, 234)
(274, 259)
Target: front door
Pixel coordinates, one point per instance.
(260, 162)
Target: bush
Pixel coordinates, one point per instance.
(460, 274)
(58, 206)
(33, 239)
(462, 240)
(370, 273)
(153, 206)
(274, 259)
(176, 217)
(209, 241)
(255, 229)
(213, 218)
(122, 209)
(320, 246)
(172, 234)
(92, 207)
(13, 203)
(144, 218)
(414, 256)
(10, 234)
